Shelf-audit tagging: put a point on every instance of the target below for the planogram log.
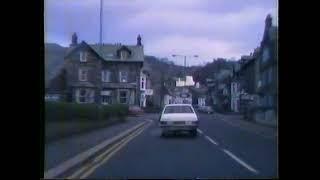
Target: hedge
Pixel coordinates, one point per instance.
(62, 111)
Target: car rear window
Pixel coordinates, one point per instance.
(178, 109)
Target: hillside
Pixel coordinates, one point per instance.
(54, 55)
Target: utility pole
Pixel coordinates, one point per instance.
(100, 50)
(101, 10)
(185, 66)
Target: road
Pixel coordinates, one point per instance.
(221, 150)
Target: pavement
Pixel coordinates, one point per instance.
(224, 148)
(61, 150)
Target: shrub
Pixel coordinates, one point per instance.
(62, 111)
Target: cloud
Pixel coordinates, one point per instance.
(205, 48)
(210, 28)
(196, 22)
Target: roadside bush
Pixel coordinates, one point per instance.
(117, 110)
(62, 111)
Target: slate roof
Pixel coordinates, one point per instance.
(109, 52)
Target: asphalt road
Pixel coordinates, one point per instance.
(220, 150)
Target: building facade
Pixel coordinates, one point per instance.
(267, 87)
(104, 74)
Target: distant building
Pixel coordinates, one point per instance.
(187, 81)
(199, 95)
(235, 96)
(178, 95)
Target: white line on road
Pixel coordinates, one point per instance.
(211, 140)
(240, 161)
(199, 131)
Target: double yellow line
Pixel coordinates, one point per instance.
(90, 167)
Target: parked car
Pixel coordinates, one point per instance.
(178, 117)
(206, 109)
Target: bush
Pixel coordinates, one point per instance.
(118, 110)
(62, 111)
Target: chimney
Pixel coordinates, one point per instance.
(139, 40)
(74, 40)
(268, 21)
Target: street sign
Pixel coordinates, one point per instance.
(149, 92)
(106, 93)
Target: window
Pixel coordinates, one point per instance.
(270, 75)
(123, 55)
(123, 76)
(83, 56)
(270, 100)
(178, 109)
(82, 96)
(143, 84)
(85, 95)
(106, 97)
(105, 75)
(265, 55)
(83, 74)
(123, 97)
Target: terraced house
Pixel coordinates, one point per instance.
(106, 74)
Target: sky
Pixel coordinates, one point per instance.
(207, 28)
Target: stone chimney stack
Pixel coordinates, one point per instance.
(74, 40)
(268, 21)
(139, 40)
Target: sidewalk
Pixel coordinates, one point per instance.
(64, 149)
(236, 120)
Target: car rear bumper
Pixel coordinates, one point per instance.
(178, 127)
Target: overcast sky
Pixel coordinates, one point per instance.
(208, 28)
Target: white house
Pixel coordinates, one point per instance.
(187, 82)
(144, 88)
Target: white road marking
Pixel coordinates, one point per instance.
(199, 131)
(211, 140)
(240, 161)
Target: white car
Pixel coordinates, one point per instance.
(178, 117)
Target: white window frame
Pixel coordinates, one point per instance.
(143, 82)
(106, 76)
(107, 93)
(83, 56)
(121, 74)
(123, 55)
(81, 76)
(127, 96)
(88, 95)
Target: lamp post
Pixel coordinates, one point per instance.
(185, 63)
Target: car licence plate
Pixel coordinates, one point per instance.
(178, 122)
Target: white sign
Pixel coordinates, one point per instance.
(149, 92)
(105, 93)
